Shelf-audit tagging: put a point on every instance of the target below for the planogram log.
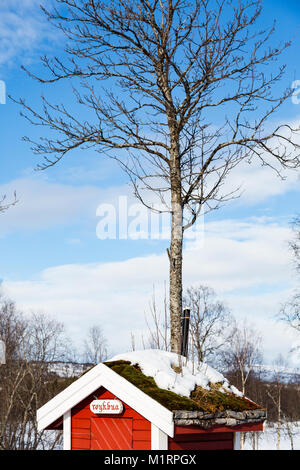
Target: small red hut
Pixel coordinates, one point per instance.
(145, 401)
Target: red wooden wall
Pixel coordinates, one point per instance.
(131, 431)
(193, 438)
(94, 432)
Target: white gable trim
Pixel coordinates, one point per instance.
(102, 375)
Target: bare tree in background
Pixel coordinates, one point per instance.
(4, 205)
(275, 393)
(209, 322)
(290, 311)
(95, 346)
(26, 382)
(241, 356)
(177, 92)
(295, 243)
(158, 325)
(157, 335)
(243, 352)
(48, 342)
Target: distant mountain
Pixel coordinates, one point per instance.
(267, 372)
(271, 372)
(68, 369)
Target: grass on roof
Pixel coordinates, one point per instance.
(201, 400)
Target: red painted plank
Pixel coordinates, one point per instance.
(141, 435)
(79, 413)
(206, 445)
(81, 423)
(226, 436)
(141, 424)
(81, 434)
(218, 429)
(81, 444)
(249, 427)
(141, 445)
(131, 413)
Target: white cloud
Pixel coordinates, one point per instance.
(257, 183)
(42, 204)
(240, 254)
(23, 27)
(236, 257)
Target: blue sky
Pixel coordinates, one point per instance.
(50, 257)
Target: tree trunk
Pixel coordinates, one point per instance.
(175, 256)
(278, 412)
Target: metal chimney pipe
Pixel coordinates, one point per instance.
(185, 322)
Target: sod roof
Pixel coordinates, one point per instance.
(212, 399)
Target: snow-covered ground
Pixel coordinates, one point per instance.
(268, 440)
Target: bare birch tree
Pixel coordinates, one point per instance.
(209, 322)
(158, 325)
(274, 392)
(242, 355)
(243, 352)
(178, 92)
(95, 346)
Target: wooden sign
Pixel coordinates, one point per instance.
(105, 407)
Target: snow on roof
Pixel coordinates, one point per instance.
(158, 364)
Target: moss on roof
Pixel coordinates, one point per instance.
(201, 400)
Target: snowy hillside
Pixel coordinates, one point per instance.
(270, 372)
(67, 369)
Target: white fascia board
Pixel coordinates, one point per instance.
(102, 375)
(59, 402)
